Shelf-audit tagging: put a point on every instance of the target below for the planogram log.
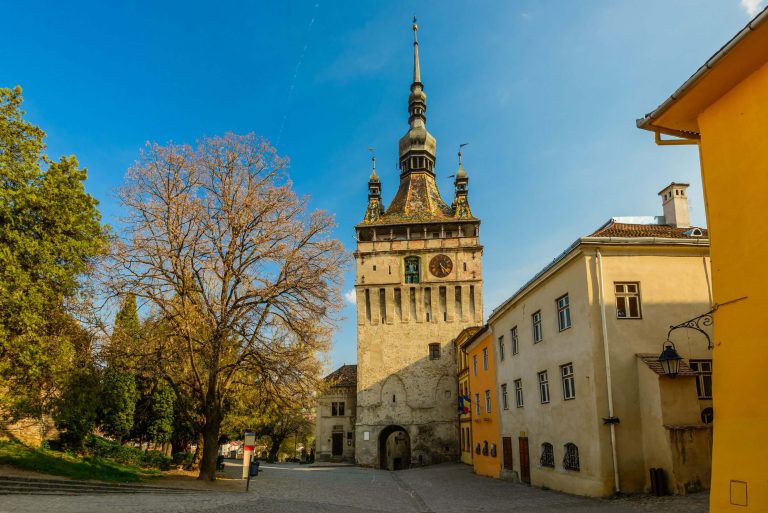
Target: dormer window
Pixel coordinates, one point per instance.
(694, 232)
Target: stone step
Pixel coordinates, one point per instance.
(32, 485)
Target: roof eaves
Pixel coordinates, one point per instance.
(646, 122)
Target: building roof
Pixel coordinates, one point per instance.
(344, 376)
(652, 361)
(737, 59)
(616, 229)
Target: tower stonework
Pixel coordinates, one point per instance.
(418, 284)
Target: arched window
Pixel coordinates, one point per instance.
(571, 458)
(412, 269)
(547, 455)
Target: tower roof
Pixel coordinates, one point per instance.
(417, 198)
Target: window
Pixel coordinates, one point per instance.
(703, 370)
(485, 358)
(543, 387)
(501, 348)
(538, 335)
(519, 393)
(434, 351)
(569, 387)
(547, 455)
(504, 399)
(398, 305)
(563, 313)
(412, 309)
(337, 409)
(513, 336)
(427, 304)
(472, 301)
(628, 301)
(383, 305)
(367, 305)
(443, 303)
(571, 458)
(487, 401)
(412, 269)
(474, 364)
(477, 404)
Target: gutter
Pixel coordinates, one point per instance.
(646, 122)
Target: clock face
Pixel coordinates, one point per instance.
(440, 266)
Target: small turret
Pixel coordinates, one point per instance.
(461, 208)
(375, 208)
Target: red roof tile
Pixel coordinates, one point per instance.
(614, 229)
(652, 361)
(344, 376)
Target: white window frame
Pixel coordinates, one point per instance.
(703, 370)
(623, 292)
(513, 336)
(487, 401)
(477, 403)
(485, 358)
(563, 312)
(543, 387)
(538, 332)
(519, 400)
(568, 381)
(501, 348)
(474, 364)
(504, 398)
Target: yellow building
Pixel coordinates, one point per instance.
(464, 403)
(486, 459)
(585, 407)
(723, 108)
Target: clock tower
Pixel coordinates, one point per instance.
(418, 284)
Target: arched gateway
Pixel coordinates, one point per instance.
(394, 448)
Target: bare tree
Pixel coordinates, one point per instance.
(217, 241)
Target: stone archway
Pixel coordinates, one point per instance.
(394, 448)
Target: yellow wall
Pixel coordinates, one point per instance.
(734, 156)
(485, 426)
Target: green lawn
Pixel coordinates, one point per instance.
(68, 465)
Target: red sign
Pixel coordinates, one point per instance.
(248, 448)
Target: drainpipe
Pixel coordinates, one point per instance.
(609, 385)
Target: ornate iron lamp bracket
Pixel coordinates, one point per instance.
(697, 323)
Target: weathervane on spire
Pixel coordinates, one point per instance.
(416, 67)
(460, 147)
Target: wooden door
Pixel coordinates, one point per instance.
(337, 448)
(525, 464)
(506, 443)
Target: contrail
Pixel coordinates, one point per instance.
(296, 74)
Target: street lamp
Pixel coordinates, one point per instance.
(670, 359)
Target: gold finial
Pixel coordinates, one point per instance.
(416, 67)
(415, 29)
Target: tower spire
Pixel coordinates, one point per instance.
(416, 67)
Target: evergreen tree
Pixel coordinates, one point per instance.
(160, 426)
(76, 410)
(50, 234)
(118, 402)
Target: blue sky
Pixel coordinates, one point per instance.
(545, 93)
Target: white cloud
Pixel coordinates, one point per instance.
(351, 296)
(752, 7)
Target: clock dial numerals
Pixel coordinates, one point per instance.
(441, 266)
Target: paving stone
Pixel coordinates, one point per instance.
(448, 488)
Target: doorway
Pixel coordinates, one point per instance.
(525, 464)
(337, 444)
(394, 448)
(506, 444)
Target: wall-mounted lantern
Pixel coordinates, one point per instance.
(670, 359)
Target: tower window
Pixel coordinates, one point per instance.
(398, 305)
(412, 269)
(434, 351)
(472, 301)
(412, 310)
(458, 306)
(428, 303)
(368, 305)
(383, 304)
(443, 303)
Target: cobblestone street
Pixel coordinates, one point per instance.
(449, 488)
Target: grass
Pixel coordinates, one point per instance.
(57, 463)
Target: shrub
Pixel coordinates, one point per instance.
(106, 449)
(182, 458)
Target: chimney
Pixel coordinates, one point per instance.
(675, 203)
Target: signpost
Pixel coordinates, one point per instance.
(249, 441)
